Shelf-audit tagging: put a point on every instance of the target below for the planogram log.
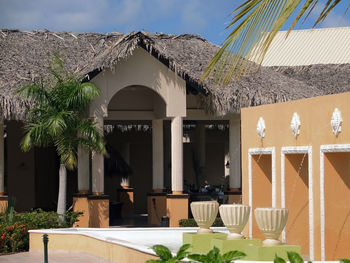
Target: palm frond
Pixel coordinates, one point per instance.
(81, 95)
(253, 26)
(56, 123)
(69, 158)
(34, 92)
(255, 23)
(58, 118)
(90, 137)
(36, 135)
(56, 68)
(35, 114)
(309, 5)
(330, 5)
(66, 149)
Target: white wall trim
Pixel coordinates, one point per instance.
(300, 150)
(326, 149)
(260, 151)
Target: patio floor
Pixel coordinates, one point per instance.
(54, 257)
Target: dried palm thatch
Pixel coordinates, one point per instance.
(24, 56)
(330, 78)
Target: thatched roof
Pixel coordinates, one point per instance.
(330, 78)
(24, 55)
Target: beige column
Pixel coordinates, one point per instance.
(235, 153)
(2, 164)
(83, 170)
(158, 158)
(176, 155)
(98, 165)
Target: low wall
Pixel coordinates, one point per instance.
(79, 242)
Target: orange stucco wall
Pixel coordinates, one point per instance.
(176, 208)
(337, 208)
(296, 167)
(261, 172)
(315, 130)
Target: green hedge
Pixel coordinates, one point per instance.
(14, 228)
(190, 222)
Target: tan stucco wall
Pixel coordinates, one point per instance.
(141, 69)
(315, 116)
(103, 249)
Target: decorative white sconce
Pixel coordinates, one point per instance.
(295, 124)
(336, 121)
(260, 128)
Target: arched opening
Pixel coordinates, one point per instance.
(128, 131)
(136, 103)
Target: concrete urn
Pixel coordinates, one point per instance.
(204, 213)
(235, 217)
(271, 222)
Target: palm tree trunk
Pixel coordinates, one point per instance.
(61, 204)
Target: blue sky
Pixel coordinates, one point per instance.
(207, 18)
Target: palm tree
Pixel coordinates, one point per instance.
(58, 119)
(255, 23)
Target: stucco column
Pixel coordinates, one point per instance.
(176, 155)
(235, 154)
(98, 165)
(158, 158)
(83, 170)
(2, 164)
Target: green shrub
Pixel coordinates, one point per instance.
(13, 238)
(190, 222)
(14, 235)
(39, 219)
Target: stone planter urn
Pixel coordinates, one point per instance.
(235, 217)
(271, 222)
(204, 213)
